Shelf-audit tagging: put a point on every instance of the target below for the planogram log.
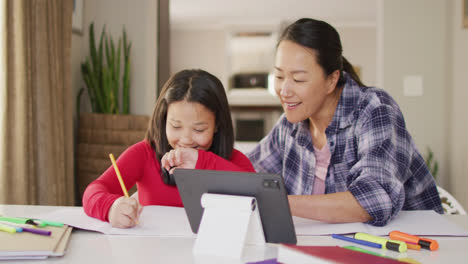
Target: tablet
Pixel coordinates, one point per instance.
(268, 189)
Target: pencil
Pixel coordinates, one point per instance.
(122, 184)
(118, 175)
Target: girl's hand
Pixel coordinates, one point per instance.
(181, 158)
(124, 212)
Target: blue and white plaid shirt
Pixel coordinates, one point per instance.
(372, 155)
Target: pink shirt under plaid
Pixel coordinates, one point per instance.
(322, 157)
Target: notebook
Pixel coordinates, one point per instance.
(25, 245)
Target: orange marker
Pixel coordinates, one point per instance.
(423, 242)
(412, 246)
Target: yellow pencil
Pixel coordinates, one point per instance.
(118, 175)
(122, 184)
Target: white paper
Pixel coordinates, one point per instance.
(172, 221)
(154, 221)
(421, 223)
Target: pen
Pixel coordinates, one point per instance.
(27, 228)
(37, 231)
(18, 228)
(357, 241)
(423, 242)
(8, 229)
(16, 225)
(394, 245)
(118, 175)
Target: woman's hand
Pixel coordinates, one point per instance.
(124, 212)
(185, 158)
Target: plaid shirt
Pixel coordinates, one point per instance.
(372, 155)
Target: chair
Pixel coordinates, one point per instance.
(449, 203)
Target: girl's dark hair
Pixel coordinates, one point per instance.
(325, 40)
(195, 86)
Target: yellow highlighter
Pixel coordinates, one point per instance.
(394, 245)
(8, 229)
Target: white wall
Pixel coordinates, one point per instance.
(139, 18)
(200, 48)
(458, 135)
(360, 49)
(207, 48)
(415, 43)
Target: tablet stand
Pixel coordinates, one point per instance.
(227, 224)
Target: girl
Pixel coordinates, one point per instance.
(191, 128)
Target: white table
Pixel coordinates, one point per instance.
(92, 247)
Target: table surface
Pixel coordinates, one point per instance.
(93, 247)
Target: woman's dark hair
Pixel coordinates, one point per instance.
(195, 86)
(325, 40)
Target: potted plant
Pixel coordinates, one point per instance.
(110, 128)
(101, 74)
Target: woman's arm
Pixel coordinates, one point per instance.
(268, 155)
(339, 207)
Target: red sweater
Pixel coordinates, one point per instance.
(138, 165)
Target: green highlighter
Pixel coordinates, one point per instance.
(35, 222)
(19, 220)
(50, 223)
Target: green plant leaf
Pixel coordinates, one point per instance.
(126, 75)
(101, 73)
(431, 162)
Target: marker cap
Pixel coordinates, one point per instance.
(392, 246)
(428, 244)
(397, 246)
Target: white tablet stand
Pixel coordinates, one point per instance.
(227, 224)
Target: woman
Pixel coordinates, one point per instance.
(342, 148)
